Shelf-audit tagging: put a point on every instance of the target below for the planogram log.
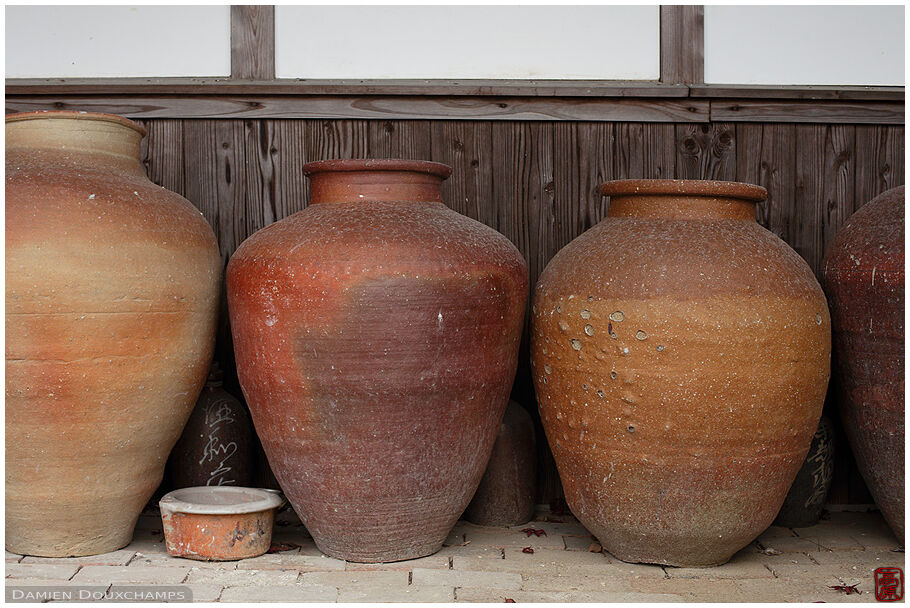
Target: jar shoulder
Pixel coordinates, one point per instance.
(685, 259)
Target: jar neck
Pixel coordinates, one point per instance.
(107, 141)
(681, 207)
(374, 186)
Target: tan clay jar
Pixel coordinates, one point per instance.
(680, 355)
(111, 301)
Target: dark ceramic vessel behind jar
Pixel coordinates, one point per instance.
(377, 335)
(505, 496)
(217, 446)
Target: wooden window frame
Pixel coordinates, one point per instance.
(680, 95)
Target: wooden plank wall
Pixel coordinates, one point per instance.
(536, 182)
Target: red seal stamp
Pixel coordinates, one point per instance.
(889, 584)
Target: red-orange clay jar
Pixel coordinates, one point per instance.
(680, 354)
(376, 335)
(863, 275)
(112, 290)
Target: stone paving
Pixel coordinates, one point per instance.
(480, 564)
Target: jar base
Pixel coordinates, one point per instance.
(380, 556)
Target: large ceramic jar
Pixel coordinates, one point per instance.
(863, 275)
(680, 355)
(376, 335)
(111, 302)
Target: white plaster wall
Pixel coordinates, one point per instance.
(782, 44)
(108, 41)
(825, 45)
(528, 42)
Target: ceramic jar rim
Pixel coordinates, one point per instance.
(77, 115)
(684, 187)
(378, 164)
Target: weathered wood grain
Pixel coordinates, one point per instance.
(808, 92)
(682, 44)
(466, 147)
(252, 42)
(629, 150)
(374, 107)
(706, 151)
(594, 166)
(837, 196)
(879, 161)
(825, 112)
(436, 87)
(162, 153)
(291, 188)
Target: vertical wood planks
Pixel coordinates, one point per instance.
(465, 146)
(162, 153)
(879, 161)
(595, 165)
(291, 187)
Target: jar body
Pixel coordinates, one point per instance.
(680, 356)
(112, 293)
(376, 344)
(863, 275)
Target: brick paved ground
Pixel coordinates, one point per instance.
(489, 565)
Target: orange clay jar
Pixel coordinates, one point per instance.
(112, 291)
(377, 335)
(680, 355)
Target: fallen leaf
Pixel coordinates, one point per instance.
(847, 589)
(509, 600)
(770, 551)
(595, 548)
(534, 531)
(280, 547)
(527, 550)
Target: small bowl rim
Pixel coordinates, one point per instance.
(176, 501)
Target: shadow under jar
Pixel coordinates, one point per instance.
(680, 355)
(376, 335)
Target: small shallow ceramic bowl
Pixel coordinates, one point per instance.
(219, 523)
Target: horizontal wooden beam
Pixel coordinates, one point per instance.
(375, 107)
(831, 112)
(797, 92)
(459, 88)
